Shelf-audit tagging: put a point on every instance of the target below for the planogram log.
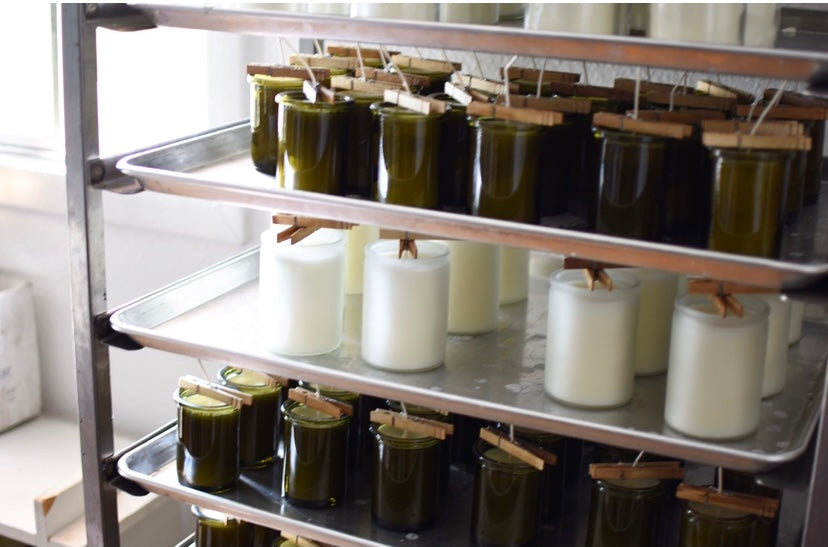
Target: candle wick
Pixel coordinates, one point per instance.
(203, 370)
(512, 432)
(586, 74)
(638, 458)
(719, 472)
(540, 78)
(771, 104)
(637, 91)
(317, 45)
(479, 66)
(361, 63)
(401, 75)
(404, 410)
(506, 79)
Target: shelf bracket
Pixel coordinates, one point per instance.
(117, 17)
(109, 336)
(110, 464)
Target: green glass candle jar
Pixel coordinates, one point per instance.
(454, 157)
(264, 119)
(264, 536)
(207, 451)
(748, 201)
(704, 525)
(404, 478)
(625, 512)
(506, 497)
(316, 445)
(795, 184)
(557, 168)
(215, 529)
(813, 170)
(313, 143)
(766, 529)
(408, 164)
(258, 429)
(362, 145)
(687, 193)
(630, 185)
(552, 488)
(445, 447)
(506, 169)
(356, 425)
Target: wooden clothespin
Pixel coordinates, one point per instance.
(318, 92)
(746, 503)
(407, 243)
(302, 227)
(415, 424)
(523, 115)
(528, 453)
(317, 401)
(223, 394)
(593, 271)
(722, 294)
(423, 105)
(642, 470)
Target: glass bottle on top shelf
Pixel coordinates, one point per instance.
(259, 432)
(625, 512)
(264, 119)
(216, 529)
(506, 169)
(315, 460)
(409, 156)
(207, 451)
(313, 143)
(454, 157)
(405, 478)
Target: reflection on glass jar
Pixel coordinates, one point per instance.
(748, 201)
(215, 529)
(506, 498)
(630, 185)
(704, 525)
(625, 512)
(506, 169)
(409, 156)
(264, 119)
(313, 143)
(405, 478)
(258, 434)
(315, 458)
(207, 451)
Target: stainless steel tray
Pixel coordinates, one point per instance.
(217, 166)
(496, 376)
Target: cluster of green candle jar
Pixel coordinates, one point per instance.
(572, 175)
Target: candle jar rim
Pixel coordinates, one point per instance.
(632, 487)
(651, 274)
(572, 281)
(508, 126)
(630, 137)
(321, 421)
(330, 391)
(510, 464)
(275, 82)
(297, 99)
(701, 307)
(534, 435)
(756, 154)
(383, 109)
(180, 395)
(428, 252)
(708, 511)
(360, 97)
(389, 435)
(227, 373)
(212, 515)
(417, 410)
(452, 102)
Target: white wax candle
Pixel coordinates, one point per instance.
(598, 18)
(405, 306)
(711, 23)
(301, 292)
(514, 275)
(511, 10)
(761, 22)
(590, 340)
(474, 289)
(356, 240)
(544, 264)
(714, 381)
(424, 11)
(776, 350)
(655, 315)
(464, 12)
(329, 8)
(797, 315)
(683, 282)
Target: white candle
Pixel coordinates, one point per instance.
(711, 23)
(776, 350)
(301, 292)
(598, 18)
(511, 10)
(463, 12)
(544, 264)
(797, 315)
(329, 8)
(425, 11)
(514, 275)
(655, 315)
(355, 242)
(590, 340)
(714, 381)
(474, 289)
(761, 22)
(405, 306)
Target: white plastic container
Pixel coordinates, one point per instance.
(597, 18)
(482, 13)
(714, 382)
(590, 340)
(356, 239)
(474, 287)
(405, 306)
(709, 23)
(776, 351)
(655, 316)
(20, 397)
(514, 275)
(424, 11)
(301, 292)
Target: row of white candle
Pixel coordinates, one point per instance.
(597, 341)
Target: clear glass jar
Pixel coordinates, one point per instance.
(207, 451)
(625, 512)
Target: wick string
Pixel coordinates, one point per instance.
(318, 45)
(771, 104)
(506, 79)
(479, 66)
(638, 458)
(586, 73)
(203, 370)
(404, 410)
(361, 63)
(303, 61)
(540, 78)
(637, 91)
(400, 73)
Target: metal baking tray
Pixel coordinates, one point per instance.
(496, 376)
(217, 166)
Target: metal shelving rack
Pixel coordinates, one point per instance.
(87, 175)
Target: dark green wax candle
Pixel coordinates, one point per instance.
(264, 536)
(552, 489)
(625, 512)
(748, 201)
(795, 184)
(445, 447)
(506, 169)
(704, 525)
(813, 170)
(207, 453)
(313, 143)
(258, 430)
(506, 496)
(766, 529)
(630, 185)
(687, 193)
(316, 447)
(264, 119)
(557, 168)
(356, 425)
(408, 165)
(454, 157)
(362, 145)
(437, 79)
(404, 478)
(215, 529)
